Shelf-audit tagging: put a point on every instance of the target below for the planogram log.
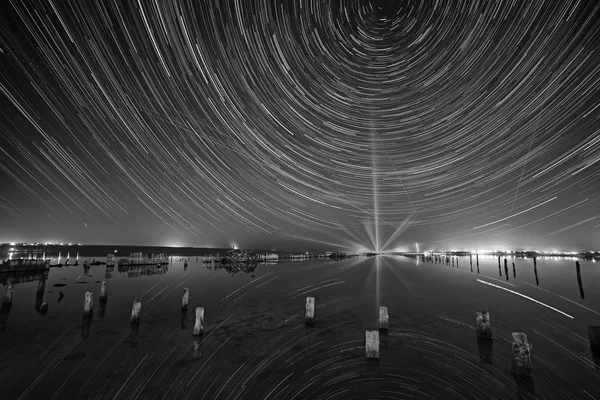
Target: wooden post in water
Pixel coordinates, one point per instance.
(521, 351)
(499, 268)
(514, 271)
(483, 324)
(579, 282)
(185, 297)
(136, 310)
(8, 295)
(88, 304)
(372, 344)
(383, 318)
(309, 317)
(199, 325)
(103, 293)
(41, 288)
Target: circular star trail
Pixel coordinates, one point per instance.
(350, 124)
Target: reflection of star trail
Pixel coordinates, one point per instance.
(260, 122)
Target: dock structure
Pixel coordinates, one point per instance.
(24, 264)
(268, 257)
(138, 259)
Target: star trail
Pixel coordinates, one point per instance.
(303, 124)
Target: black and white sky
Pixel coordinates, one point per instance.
(301, 124)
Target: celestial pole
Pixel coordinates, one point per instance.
(258, 123)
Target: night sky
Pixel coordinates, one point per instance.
(303, 124)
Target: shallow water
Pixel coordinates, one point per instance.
(256, 345)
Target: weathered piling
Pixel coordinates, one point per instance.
(452, 262)
(185, 297)
(477, 259)
(103, 291)
(483, 324)
(521, 350)
(579, 281)
(88, 304)
(594, 336)
(537, 281)
(136, 310)
(309, 317)
(40, 305)
(372, 344)
(506, 268)
(383, 318)
(199, 325)
(514, 271)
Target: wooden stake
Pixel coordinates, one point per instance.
(310, 310)
(199, 325)
(103, 294)
(185, 298)
(483, 324)
(521, 354)
(372, 344)
(136, 310)
(88, 305)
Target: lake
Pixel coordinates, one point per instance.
(256, 344)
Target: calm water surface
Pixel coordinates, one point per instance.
(256, 345)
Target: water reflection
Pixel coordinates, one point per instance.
(485, 348)
(184, 318)
(135, 271)
(525, 387)
(198, 347)
(102, 306)
(234, 268)
(4, 311)
(594, 338)
(134, 336)
(86, 324)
